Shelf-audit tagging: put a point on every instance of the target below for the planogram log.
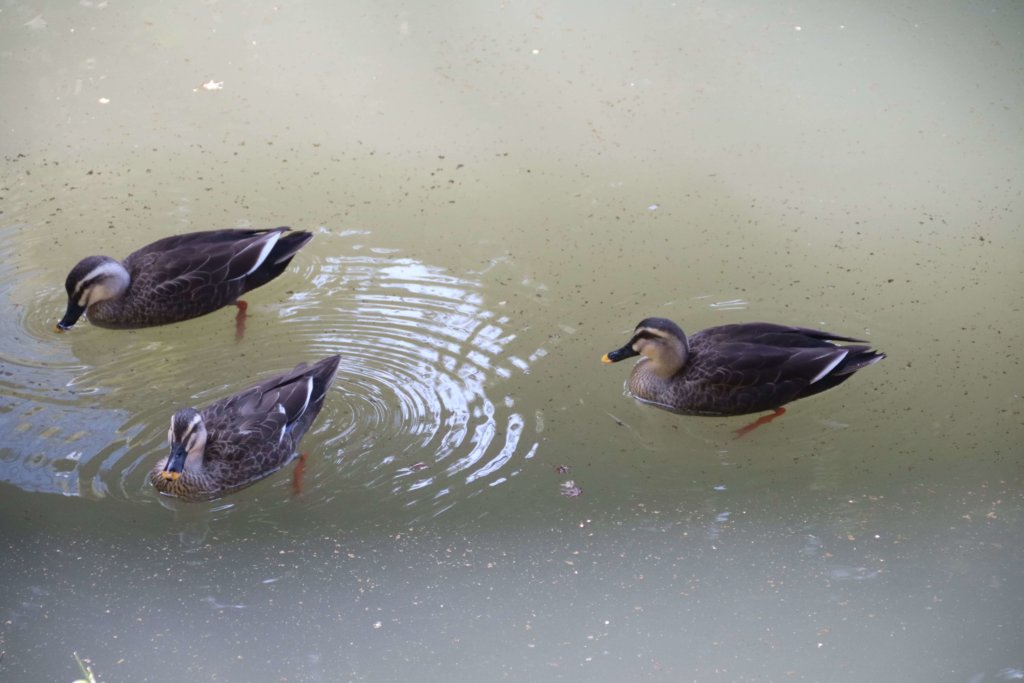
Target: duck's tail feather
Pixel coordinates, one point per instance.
(278, 259)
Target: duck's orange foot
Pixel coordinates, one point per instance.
(763, 420)
(300, 469)
(240, 320)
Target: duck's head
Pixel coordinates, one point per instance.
(660, 341)
(94, 279)
(187, 436)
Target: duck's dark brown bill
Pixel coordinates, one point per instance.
(71, 316)
(175, 462)
(615, 356)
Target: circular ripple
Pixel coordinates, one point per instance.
(43, 422)
(413, 412)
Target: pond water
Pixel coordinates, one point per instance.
(498, 193)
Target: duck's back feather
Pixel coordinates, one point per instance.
(769, 334)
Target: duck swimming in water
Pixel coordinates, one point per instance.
(737, 369)
(243, 438)
(177, 278)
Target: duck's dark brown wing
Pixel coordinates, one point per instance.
(203, 271)
(754, 367)
(286, 403)
(738, 377)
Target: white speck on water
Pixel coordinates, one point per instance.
(732, 304)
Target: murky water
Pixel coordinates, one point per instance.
(498, 193)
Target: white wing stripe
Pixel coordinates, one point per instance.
(309, 392)
(268, 245)
(830, 367)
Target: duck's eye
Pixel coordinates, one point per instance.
(86, 288)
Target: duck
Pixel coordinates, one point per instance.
(737, 369)
(241, 439)
(178, 277)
